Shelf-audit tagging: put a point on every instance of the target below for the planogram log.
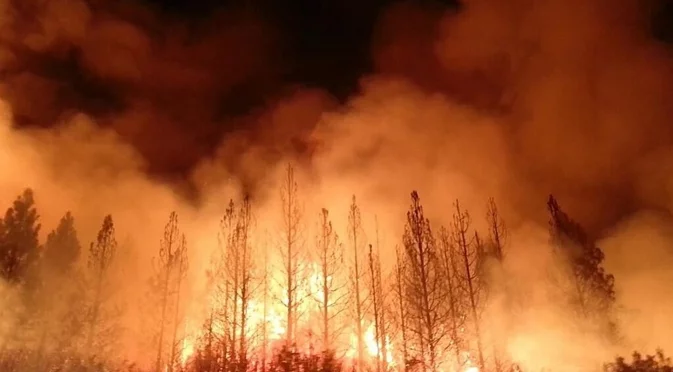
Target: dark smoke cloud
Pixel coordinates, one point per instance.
(580, 89)
(167, 86)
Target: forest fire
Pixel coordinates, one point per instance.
(191, 192)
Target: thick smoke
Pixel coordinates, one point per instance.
(511, 99)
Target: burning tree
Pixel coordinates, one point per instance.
(170, 268)
(355, 236)
(470, 256)
(400, 297)
(424, 285)
(235, 283)
(379, 304)
(291, 254)
(331, 293)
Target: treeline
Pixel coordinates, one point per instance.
(290, 302)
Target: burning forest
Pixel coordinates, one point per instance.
(200, 193)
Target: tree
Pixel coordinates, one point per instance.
(220, 275)
(400, 294)
(448, 257)
(378, 302)
(470, 253)
(497, 238)
(101, 256)
(425, 286)
(331, 292)
(591, 290)
(170, 267)
(19, 246)
(354, 233)
(375, 288)
(240, 268)
(291, 250)
(62, 248)
(61, 296)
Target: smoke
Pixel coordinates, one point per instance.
(511, 99)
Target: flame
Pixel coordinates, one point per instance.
(187, 350)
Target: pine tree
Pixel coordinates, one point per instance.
(356, 240)
(470, 255)
(425, 284)
(332, 293)
(455, 306)
(497, 239)
(241, 269)
(101, 257)
(291, 251)
(62, 248)
(62, 295)
(592, 292)
(170, 267)
(19, 246)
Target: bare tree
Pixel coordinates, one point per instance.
(400, 295)
(332, 292)
(245, 267)
(425, 283)
(223, 286)
(290, 252)
(497, 238)
(265, 309)
(101, 256)
(233, 274)
(377, 304)
(170, 266)
(449, 266)
(355, 236)
(497, 231)
(378, 301)
(470, 252)
(181, 266)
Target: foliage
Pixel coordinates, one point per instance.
(62, 248)
(19, 246)
(650, 363)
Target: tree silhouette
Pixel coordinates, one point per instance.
(355, 237)
(331, 292)
(292, 216)
(62, 248)
(450, 266)
(425, 284)
(649, 363)
(101, 256)
(495, 254)
(19, 246)
(592, 288)
(170, 267)
(61, 293)
(470, 254)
